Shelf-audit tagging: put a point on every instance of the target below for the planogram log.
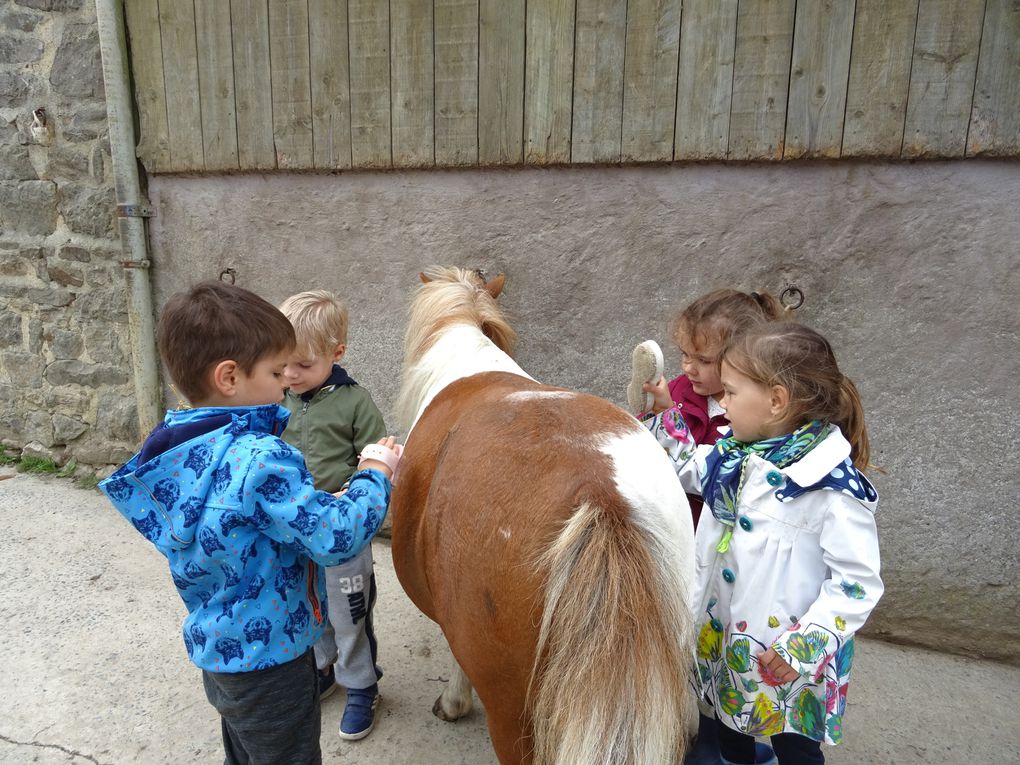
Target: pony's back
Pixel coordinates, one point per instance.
(546, 532)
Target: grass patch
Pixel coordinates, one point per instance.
(38, 465)
(88, 481)
(46, 466)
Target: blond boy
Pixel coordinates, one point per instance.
(332, 420)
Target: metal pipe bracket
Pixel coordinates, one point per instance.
(134, 211)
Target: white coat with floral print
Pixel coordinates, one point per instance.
(801, 575)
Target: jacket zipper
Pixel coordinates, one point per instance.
(303, 431)
(312, 596)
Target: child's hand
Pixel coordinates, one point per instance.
(660, 393)
(382, 456)
(777, 666)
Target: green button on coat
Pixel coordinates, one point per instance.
(728, 575)
(774, 477)
(745, 524)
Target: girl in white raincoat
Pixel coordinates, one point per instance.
(787, 558)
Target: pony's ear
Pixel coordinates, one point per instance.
(424, 279)
(495, 285)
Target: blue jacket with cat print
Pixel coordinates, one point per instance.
(234, 510)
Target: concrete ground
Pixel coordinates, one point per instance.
(94, 670)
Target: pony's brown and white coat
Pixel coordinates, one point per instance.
(546, 533)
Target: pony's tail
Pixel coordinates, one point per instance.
(610, 681)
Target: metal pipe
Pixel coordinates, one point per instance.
(132, 208)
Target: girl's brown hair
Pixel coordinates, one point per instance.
(716, 317)
(802, 361)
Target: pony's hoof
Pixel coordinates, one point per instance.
(440, 711)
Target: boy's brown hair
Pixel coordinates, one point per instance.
(212, 322)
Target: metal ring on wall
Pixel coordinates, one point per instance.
(228, 272)
(792, 297)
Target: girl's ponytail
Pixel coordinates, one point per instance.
(772, 308)
(851, 422)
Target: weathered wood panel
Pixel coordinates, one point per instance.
(292, 92)
(650, 77)
(820, 68)
(253, 84)
(995, 119)
(368, 28)
(548, 78)
(761, 78)
(330, 83)
(216, 84)
(942, 77)
(501, 25)
(183, 108)
(876, 100)
(708, 34)
(598, 81)
(456, 43)
(411, 81)
(337, 84)
(146, 47)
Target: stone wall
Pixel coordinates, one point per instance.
(64, 366)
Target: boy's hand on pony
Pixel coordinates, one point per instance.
(382, 456)
(659, 389)
(778, 666)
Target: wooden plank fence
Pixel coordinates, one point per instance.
(326, 85)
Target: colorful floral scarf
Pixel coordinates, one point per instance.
(725, 467)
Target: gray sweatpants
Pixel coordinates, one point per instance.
(349, 639)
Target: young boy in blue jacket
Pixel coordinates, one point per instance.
(234, 510)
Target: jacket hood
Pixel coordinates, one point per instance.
(338, 377)
(828, 466)
(187, 448)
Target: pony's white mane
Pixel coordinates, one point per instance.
(455, 329)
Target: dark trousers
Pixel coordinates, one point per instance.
(790, 748)
(269, 717)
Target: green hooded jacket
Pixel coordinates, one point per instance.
(331, 427)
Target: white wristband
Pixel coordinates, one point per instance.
(388, 457)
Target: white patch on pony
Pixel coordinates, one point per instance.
(461, 351)
(536, 395)
(646, 479)
(504, 532)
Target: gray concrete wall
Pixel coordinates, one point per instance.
(910, 269)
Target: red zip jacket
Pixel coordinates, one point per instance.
(704, 429)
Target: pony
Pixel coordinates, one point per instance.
(546, 532)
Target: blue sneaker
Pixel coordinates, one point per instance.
(327, 682)
(763, 755)
(706, 747)
(359, 714)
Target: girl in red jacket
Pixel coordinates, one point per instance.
(691, 401)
